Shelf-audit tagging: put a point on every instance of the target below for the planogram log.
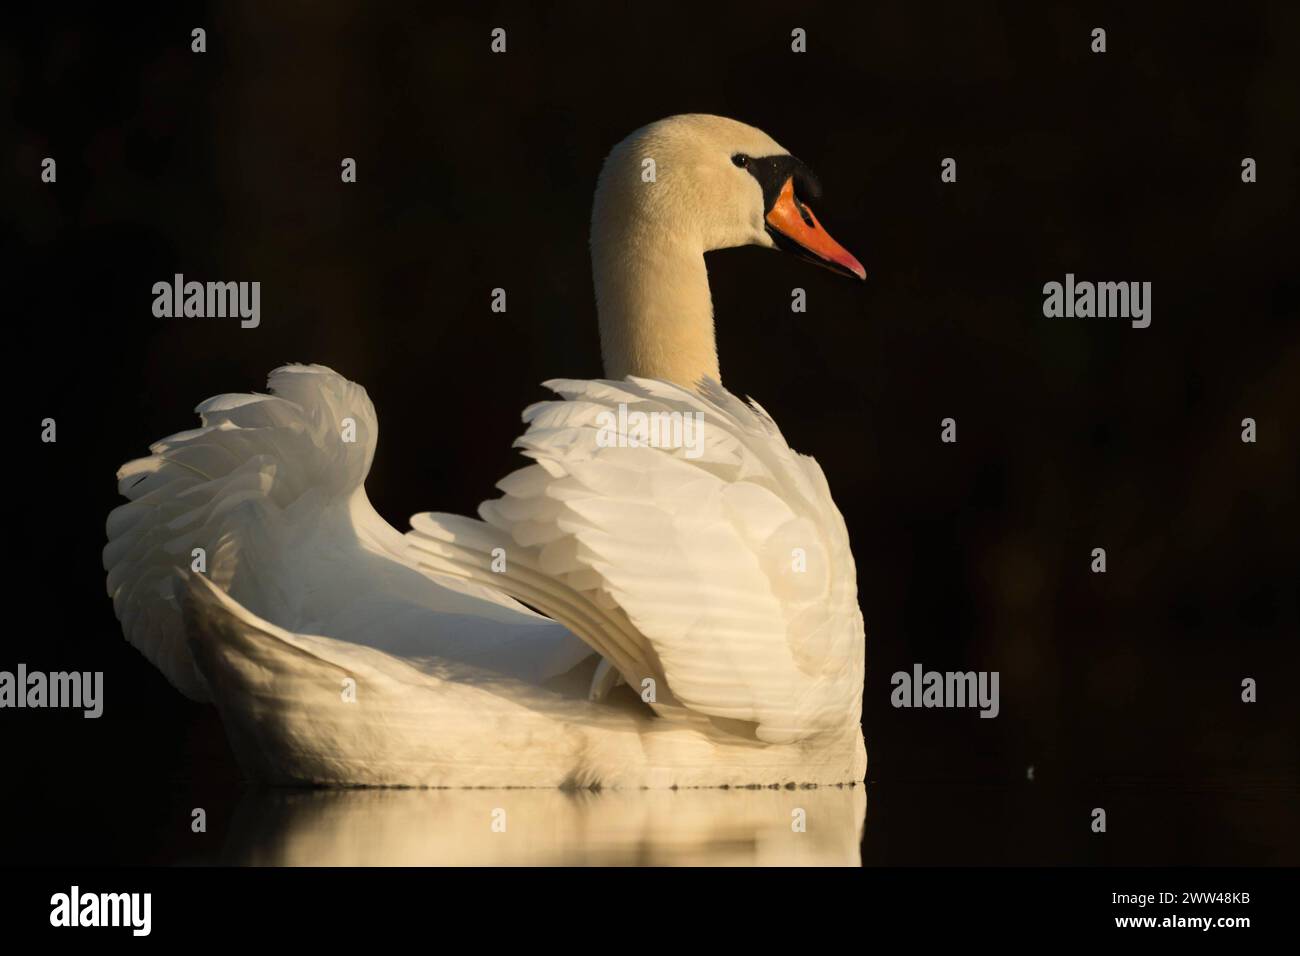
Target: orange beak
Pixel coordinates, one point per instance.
(795, 228)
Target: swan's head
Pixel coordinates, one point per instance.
(707, 182)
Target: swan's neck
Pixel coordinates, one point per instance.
(656, 315)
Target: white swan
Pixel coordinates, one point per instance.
(714, 581)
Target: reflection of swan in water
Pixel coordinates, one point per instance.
(549, 827)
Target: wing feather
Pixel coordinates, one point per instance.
(721, 569)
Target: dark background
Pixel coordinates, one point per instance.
(476, 170)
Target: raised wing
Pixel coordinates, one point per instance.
(679, 535)
(270, 488)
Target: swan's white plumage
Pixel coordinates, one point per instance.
(450, 673)
(694, 558)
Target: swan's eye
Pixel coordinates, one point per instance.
(804, 214)
(741, 160)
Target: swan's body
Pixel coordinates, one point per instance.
(702, 623)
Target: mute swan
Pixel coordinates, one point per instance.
(714, 581)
